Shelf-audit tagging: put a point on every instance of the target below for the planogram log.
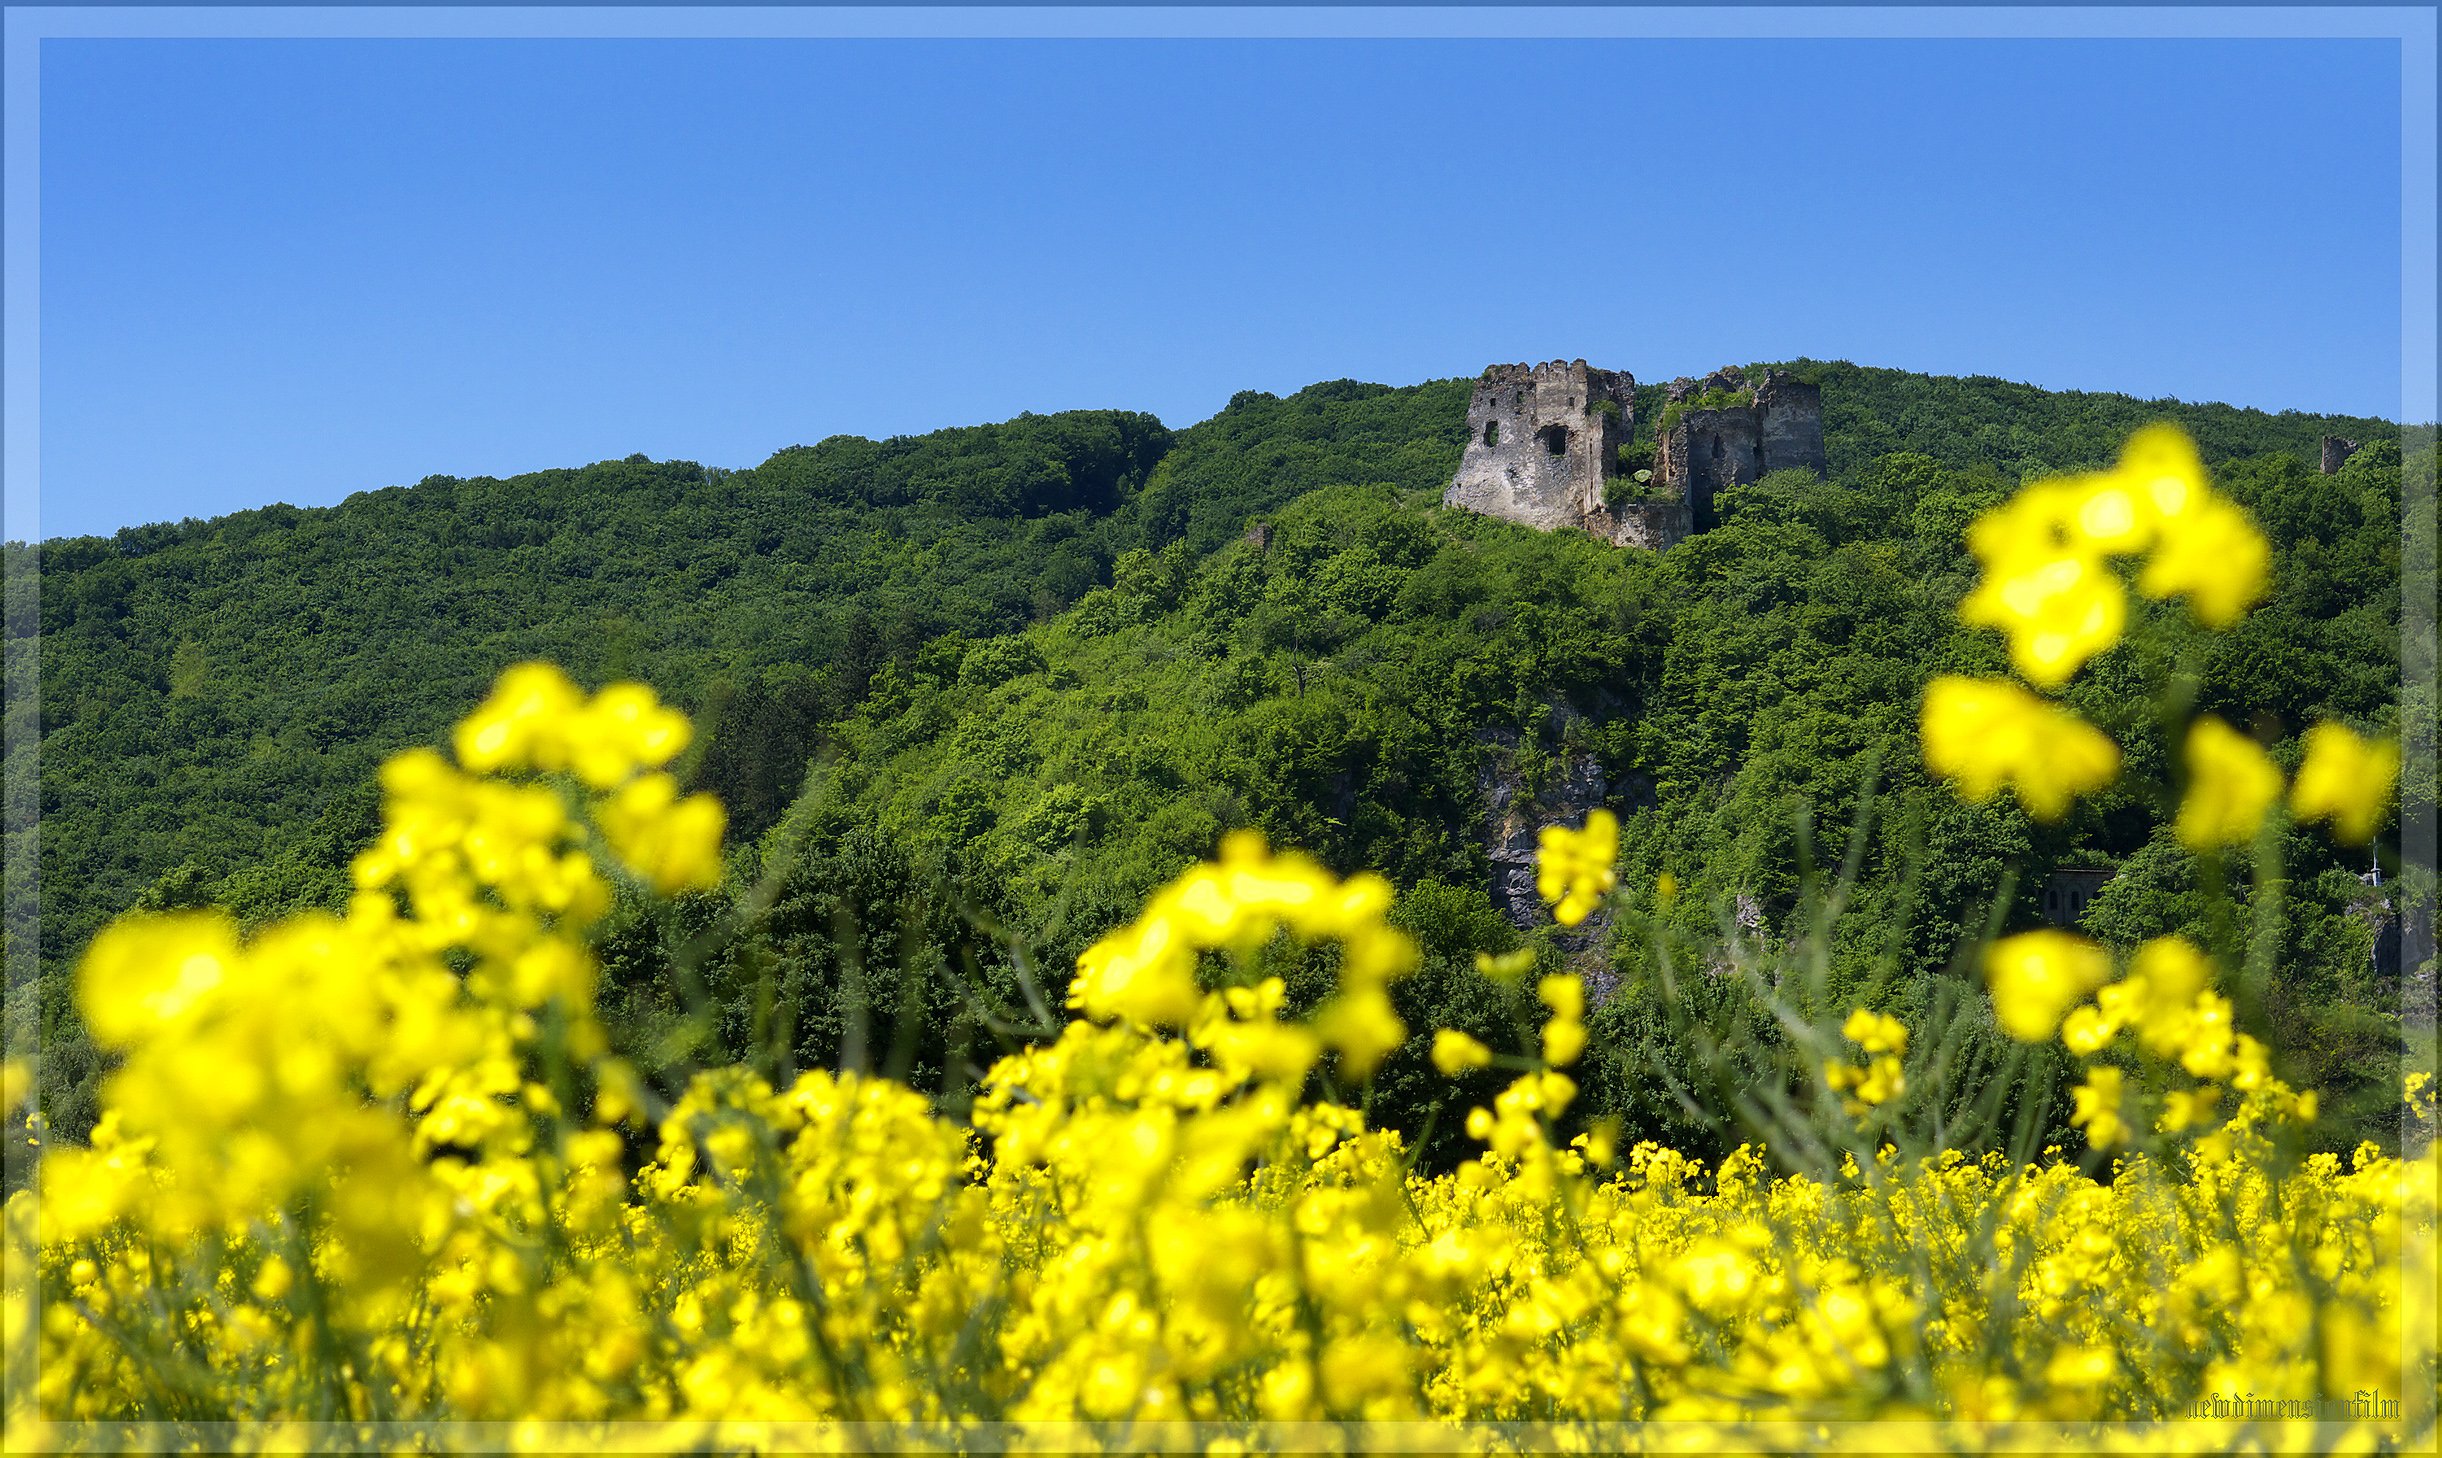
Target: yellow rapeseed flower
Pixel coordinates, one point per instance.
(2215, 557)
(2095, 1106)
(1574, 869)
(674, 842)
(2048, 581)
(2231, 783)
(2058, 608)
(2037, 976)
(2345, 779)
(347, 1165)
(1506, 968)
(2188, 1108)
(521, 724)
(1454, 1052)
(1985, 733)
(1146, 972)
(1875, 1032)
(146, 973)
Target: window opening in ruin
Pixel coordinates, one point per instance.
(1555, 439)
(1492, 432)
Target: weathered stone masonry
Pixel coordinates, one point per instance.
(1543, 443)
(1542, 440)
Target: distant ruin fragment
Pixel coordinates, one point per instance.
(1721, 432)
(1544, 448)
(2336, 452)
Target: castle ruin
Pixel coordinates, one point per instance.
(2336, 452)
(1544, 448)
(1542, 440)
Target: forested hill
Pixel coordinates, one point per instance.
(216, 695)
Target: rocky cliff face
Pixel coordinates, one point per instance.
(1570, 785)
(1543, 444)
(1515, 814)
(2336, 452)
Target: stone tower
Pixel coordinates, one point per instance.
(2336, 452)
(1543, 448)
(1541, 441)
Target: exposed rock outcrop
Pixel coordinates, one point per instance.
(1515, 815)
(2336, 452)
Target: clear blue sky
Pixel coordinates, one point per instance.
(291, 270)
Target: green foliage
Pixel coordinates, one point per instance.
(1678, 410)
(972, 696)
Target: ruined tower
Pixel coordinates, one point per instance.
(1543, 448)
(1723, 432)
(2336, 452)
(1541, 441)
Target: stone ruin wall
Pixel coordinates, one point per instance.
(1540, 442)
(2336, 452)
(1704, 451)
(1541, 447)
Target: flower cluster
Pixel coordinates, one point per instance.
(2048, 583)
(1145, 973)
(2179, 1025)
(382, 1167)
(1986, 733)
(1884, 1041)
(1576, 869)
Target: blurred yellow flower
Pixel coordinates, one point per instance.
(1564, 1037)
(2188, 1108)
(1875, 1032)
(2048, 581)
(2216, 557)
(1574, 868)
(2058, 608)
(1879, 1080)
(673, 842)
(2037, 976)
(1454, 1052)
(1984, 733)
(2164, 483)
(1506, 968)
(2231, 783)
(2347, 780)
(2095, 1106)
(1145, 972)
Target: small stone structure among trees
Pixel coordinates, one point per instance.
(1544, 448)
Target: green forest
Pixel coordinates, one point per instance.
(971, 696)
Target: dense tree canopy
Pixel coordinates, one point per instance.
(971, 695)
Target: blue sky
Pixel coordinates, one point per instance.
(291, 270)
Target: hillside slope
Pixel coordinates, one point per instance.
(215, 695)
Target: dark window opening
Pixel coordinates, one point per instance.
(1555, 439)
(1492, 432)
